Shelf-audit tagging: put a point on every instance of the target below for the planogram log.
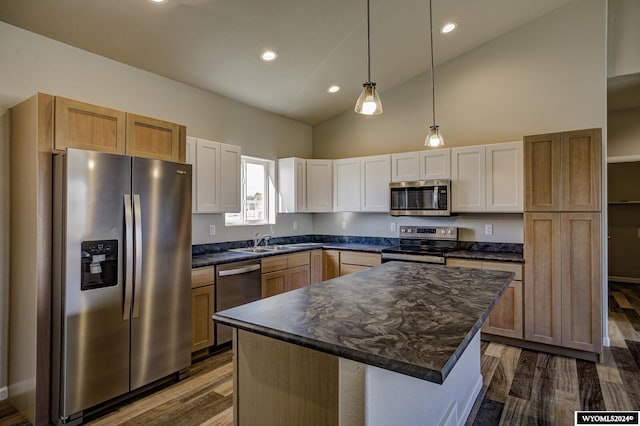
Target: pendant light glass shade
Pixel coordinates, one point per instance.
(434, 138)
(369, 102)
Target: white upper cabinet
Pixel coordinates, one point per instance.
(435, 164)
(216, 188)
(487, 178)
(319, 186)
(405, 167)
(504, 172)
(292, 182)
(230, 176)
(375, 175)
(346, 185)
(467, 179)
(362, 184)
(421, 165)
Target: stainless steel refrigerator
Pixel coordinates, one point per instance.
(122, 277)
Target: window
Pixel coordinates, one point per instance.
(257, 193)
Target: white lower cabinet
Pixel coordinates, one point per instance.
(487, 178)
(216, 174)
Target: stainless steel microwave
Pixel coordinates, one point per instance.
(420, 198)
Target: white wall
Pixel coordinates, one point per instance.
(4, 249)
(624, 37)
(624, 132)
(32, 63)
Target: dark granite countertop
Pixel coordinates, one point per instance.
(227, 256)
(486, 255)
(411, 318)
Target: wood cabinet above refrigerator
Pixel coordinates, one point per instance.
(97, 128)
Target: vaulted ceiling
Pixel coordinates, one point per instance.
(214, 44)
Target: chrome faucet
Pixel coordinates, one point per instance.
(258, 239)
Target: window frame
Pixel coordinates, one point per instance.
(268, 193)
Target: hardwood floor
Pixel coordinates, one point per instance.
(520, 386)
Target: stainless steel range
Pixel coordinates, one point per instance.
(424, 244)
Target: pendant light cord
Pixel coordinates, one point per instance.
(368, 44)
(433, 88)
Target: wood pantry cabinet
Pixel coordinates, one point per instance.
(506, 317)
(563, 171)
(487, 178)
(216, 176)
(202, 306)
(563, 297)
(86, 126)
(285, 272)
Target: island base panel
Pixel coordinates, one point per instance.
(277, 383)
(280, 383)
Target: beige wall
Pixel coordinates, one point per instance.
(31, 63)
(4, 249)
(549, 75)
(624, 37)
(624, 133)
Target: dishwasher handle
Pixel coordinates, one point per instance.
(238, 271)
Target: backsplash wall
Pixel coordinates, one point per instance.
(506, 228)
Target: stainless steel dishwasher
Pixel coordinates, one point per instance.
(236, 284)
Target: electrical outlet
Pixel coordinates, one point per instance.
(393, 227)
(343, 225)
(212, 230)
(488, 229)
(295, 225)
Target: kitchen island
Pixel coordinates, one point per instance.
(395, 344)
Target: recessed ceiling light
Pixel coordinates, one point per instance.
(448, 27)
(333, 89)
(158, 1)
(268, 55)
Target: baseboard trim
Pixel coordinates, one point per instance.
(4, 393)
(623, 159)
(541, 347)
(624, 279)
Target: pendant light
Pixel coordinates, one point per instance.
(434, 138)
(369, 102)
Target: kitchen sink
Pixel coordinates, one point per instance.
(252, 249)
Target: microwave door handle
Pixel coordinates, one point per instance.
(434, 202)
(128, 264)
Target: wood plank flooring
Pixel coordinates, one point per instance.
(520, 387)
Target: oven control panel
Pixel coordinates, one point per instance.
(429, 232)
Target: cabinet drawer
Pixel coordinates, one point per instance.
(202, 276)
(516, 268)
(346, 269)
(359, 258)
(464, 263)
(298, 259)
(274, 263)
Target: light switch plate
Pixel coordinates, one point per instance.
(488, 229)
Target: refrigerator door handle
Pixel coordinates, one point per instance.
(128, 264)
(138, 254)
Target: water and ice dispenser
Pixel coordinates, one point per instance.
(99, 264)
